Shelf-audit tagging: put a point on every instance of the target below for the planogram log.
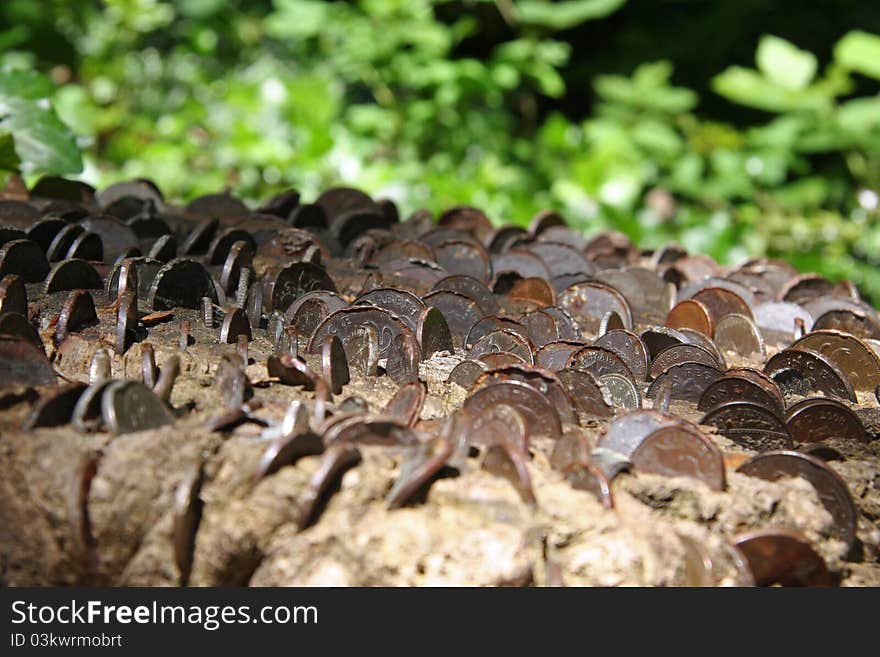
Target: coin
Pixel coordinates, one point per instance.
(533, 290)
(471, 288)
(493, 323)
(335, 462)
(628, 430)
(461, 313)
(830, 487)
(855, 359)
(543, 381)
(812, 368)
(686, 381)
(817, 419)
(721, 301)
(782, 556)
(736, 387)
(464, 258)
(416, 471)
(691, 314)
(54, 407)
(407, 402)
(347, 321)
(681, 451)
(683, 353)
(24, 259)
(659, 338)
(17, 325)
(181, 283)
(588, 303)
(362, 350)
(749, 425)
(466, 373)
(559, 258)
(334, 364)
(402, 365)
(293, 281)
(629, 347)
(599, 361)
(589, 397)
(13, 296)
(554, 355)
(622, 391)
(505, 341)
(432, 333)
(235, 323)
(129, 406)
(538, 411)
(738, 334)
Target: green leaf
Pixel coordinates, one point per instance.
(24, 84)
(748, 87)
(566, 14)
(784, 63)
(860, 52)
(8, 157)
(43, 143)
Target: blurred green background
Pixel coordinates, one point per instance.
(737, 128)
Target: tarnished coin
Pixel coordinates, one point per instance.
(543, 381)
(503, 340)
(733, 386)
(683, 353)
(295, 442)
(432, 333)
(856, 360)
(402, 304)
(466, 373)
(181, 283)
(591, 478)
(691, 314)
(532, 290)
(782, 556)
(461, 313)
(554, 355)
(801, 370)
(126, 322)
(77, 313)
(465, 258)
(55, 406)
(721, 302)
(739, 335)
(778, 317)
(347, 321)
(13, 296)
(368, 430)
(417, 471)
(187, 515)
(588, 303)
(749, 425)
(292, 371)
(293, 281)
(599, 361)
(336, 461)
(686, 381)
(629, 347)
(681, 451)
(362, 350)
(590, 398)
(407, 402)
(817, 419)
(519, 262)
(72, 274)
(129, 406)
(334, 364)
(566, 327)
(541, 327)
(402, 364)
(830, 487)
(623, 392)
(499, 425)
(508, 461)
(497, 359)
(17, 325)
(24, 259)
(559, 258)
(628, 430)
(471, 288)
(538, 411)
(659, 338)
(86, 414)
(493, 323)
(163, 249)
(863, 324)
(235, 323)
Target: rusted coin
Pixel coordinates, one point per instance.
(817, 419)
(116, 237)
(856, 360)
(554, 355)
(734, 386)
(235, 323)
(402, 364)
(750, 425)
(497, 359)
(44, 231)
(721, 301)
(334, 364)
(466, 373)
(465, 258)
(187, 515)
(223, 204)
(402, 304)
(432, 333)
(13, 295)
(588, 303)
(62, 241)
(72, 275)
(806, 287)
(292, 371)
(659, 338)
(503, 340)
(407, 402)
(77, 313)
(863, 324)
(362, 350)
(222, 244)
(86, 414)
(802, 370)
(54, 407)
(24, 259)
(541, 327)
(830, 487)
(685, 381)
(782, 556)
(533, 290)
(566, 327)
(86, 246)
(293, 281)
(129, 406)
(416, 472)
(599, 361)
(335, 462)
(628, 430)
(181, 283)
(239, 257)
(13, 324)
(494, 323)
(501, 424)
(163, 249)
(629, 347)
(543, 381)
(691, 314)
(461, 313)
(346, 321)
(623, 392)
(471, 288)
(538, 411)
(126, 322)
(683, 353)
(590, 398)
(559, 258)
(737, 334)
(681, 451)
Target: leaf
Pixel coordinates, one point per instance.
(566, 14)
(9, 160)
(748, 87)
(25, 84)
(43, 143)
(784, 63)
(860, 52)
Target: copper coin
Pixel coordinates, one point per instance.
(749, 425)
(592, 479)
(285, 450)
(742, 291)
(407, 402)
(599, 361)
(362, 350)
(493, 323)
(506, 461)
(500, 424)
(77, 313)
(293, 281)
(659, 338)
(681, 451)
(629, 347)
(520, 262)
(370, 430)
(402, 364)
(464, 258)
(335, 462)
(24, 259)
(291, 371)
(563, 235)
(13, 296)
(856, 360)
(126, 322)
(554, 355)
(506, 341)
(538, 411)
(566, 327)
(235, 323)
(817, 419)
(860, 324)
(782, 556)
(805, 287)
(691, 314)
(334, 364)
(347, 321)
(461, 313)
(544, 220)
(683, 353)
(830, 487)
(417, 471)
(572, 449)
(588, 303)
(181, 283)
(686, 381)
(721, 302)
(432, 333)
(501, 359)
(732, 387)
(590, 398)
(402, 304)
(471, 288)
(533, 290)
(738, 334)
(467, 219)
(559, 258)
(543, 381)
(541, 327)
(813, 370)
(466, 373)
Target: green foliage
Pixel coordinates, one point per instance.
(433, 104)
